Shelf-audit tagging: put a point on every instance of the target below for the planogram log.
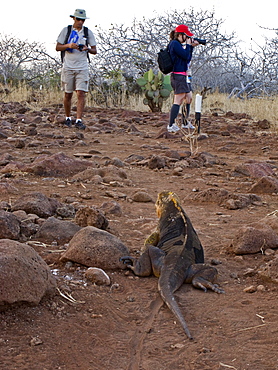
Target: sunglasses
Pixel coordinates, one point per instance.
(80, 19)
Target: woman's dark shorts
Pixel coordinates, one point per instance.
(179, 84)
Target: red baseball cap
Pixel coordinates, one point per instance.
(182, 28)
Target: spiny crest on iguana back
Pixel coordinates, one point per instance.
(164, 198)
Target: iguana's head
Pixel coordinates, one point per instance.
(164, 199)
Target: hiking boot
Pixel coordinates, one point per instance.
(188, 125)
(80, 125)
(67, 122)
(173, 128)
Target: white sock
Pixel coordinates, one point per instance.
(68, 118)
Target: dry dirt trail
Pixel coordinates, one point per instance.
(123, 326)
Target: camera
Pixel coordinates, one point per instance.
(80, 47)
(201, 41)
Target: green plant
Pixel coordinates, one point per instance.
(157, 89)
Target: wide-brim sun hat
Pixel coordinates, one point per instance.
(182, 28)
(79, 13)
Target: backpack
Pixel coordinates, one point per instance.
(164, 60)
(66, 40)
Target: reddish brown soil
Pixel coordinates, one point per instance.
(118, 327)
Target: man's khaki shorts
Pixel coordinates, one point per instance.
(74, 80)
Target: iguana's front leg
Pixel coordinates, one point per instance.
(149, 262)
(153, 239)
(202, 276)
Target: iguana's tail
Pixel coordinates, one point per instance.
(168, 297)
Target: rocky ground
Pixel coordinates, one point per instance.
(227, 183)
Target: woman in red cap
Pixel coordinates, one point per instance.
(179, 77)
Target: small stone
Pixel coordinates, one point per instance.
(156, 162)
(177, 346)
(269, 271)
(19, 143)
(141, 196)
(97, 276)
(215, 262)
(250, 289)
(238, 258)
(264, 124)
(269, 252)
(115, 287)
(234, 275)
(249, 272)
(261, 288)
(96, 315)
(115, 194)
(205, 350)
(91, 216)
(35, 341)
(68, 265)
(177, 171)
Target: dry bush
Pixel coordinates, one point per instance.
(257, 108)
(25, 94)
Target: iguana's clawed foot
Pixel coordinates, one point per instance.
(217, 289)
(203, 284)
(128, 261)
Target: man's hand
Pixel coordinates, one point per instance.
(72, 45)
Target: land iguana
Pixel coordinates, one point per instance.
(174, 254)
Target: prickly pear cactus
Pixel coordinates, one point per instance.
(157, 89)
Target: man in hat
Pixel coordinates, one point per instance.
(75, 46)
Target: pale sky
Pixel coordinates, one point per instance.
(42, 21)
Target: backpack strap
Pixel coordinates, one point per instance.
(66, 40)
(86, 33)
(173, 61)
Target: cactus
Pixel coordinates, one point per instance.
(157, 89)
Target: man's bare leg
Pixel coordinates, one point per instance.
(80, 103)
(80, 109)
(67, 103)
